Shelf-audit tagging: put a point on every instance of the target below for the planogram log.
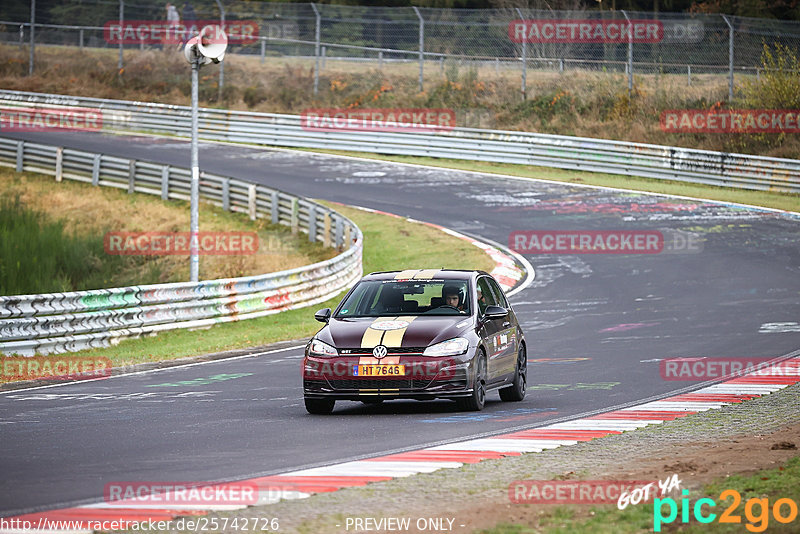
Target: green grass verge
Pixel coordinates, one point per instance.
(37, 255)
(390, 244)
(767, 199)
(770, 484)
(52, 238)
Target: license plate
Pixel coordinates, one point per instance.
(379, 370)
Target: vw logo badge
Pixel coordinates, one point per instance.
(379, 351)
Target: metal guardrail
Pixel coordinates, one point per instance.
(67, 322)
(558, 151)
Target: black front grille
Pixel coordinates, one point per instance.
(405, 383)
(392, 350)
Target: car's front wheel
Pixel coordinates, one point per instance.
(476, 401)
(516, 391)
(320, 406)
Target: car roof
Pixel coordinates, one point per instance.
(424, 274)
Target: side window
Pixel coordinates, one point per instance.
(500, 296)
(485, 295)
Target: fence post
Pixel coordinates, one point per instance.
(59, 163)
(131, 177)
(165, 182)
(226, 194)
(263, 48)
(380, 59)
(689, 74)
(96, 170)
(421, 47)
(295, 215)
(326, 237)
(730, 58)
(324, 54)
(21, 35)
(524, 61)
(80, 39)
(629, 67)
(338, 237)
(122, 25)
(33, 40)
(221, 63)
(316, 48)
(274, 210)
(20, 155)
(251, 201)
(312, 223)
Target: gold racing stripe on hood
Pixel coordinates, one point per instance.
(408, 274)
(394, 338)
(390, 338)
(426, 274)
(372, 337)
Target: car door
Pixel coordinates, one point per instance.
(507, 334)
(490, 332)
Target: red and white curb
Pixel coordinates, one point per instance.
(506, 270)
(304, 483)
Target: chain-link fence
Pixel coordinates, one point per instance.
(507, 40)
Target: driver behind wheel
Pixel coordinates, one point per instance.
(452, 297)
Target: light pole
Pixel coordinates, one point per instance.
(208, 47)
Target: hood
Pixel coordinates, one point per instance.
(417, 331)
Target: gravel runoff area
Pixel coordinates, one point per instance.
(737, 438)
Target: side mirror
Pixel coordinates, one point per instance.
(495, 312)
(323, 315)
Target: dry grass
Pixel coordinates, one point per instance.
(89, 210)
(576, 102)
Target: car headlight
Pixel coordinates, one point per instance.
(321, 349)
(451, 347)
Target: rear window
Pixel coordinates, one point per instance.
(385, 298)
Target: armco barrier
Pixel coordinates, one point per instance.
(66, 322)
(632, 159)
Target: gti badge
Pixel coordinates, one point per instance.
(380, 351)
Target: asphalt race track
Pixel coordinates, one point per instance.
(596, 324)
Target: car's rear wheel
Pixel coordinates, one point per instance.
(476, 401)
(319, 406)
(516, 392)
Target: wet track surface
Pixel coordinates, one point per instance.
(596, 324)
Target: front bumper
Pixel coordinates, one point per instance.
(425, 378)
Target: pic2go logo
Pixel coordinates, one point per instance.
(758, 521)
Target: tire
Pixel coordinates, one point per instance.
(319, 406)
(516, 391)
(476, 401)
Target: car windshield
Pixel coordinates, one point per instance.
(384, 298)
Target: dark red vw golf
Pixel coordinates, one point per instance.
(417, 334)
